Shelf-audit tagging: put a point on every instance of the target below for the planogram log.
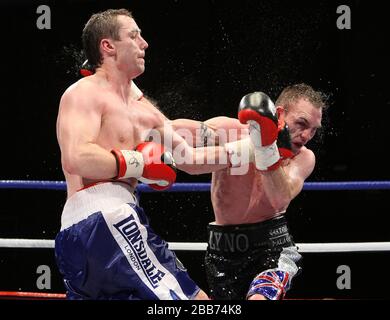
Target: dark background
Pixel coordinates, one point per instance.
(202, 57)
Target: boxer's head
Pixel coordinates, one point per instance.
(300, 106)
(114, 33)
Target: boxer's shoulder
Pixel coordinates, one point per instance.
(304, 161)
(82, 95)
(85, 86)
(305, 155)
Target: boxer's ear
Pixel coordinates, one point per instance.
(108, 46)
(280, 112)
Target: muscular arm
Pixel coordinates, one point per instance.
(78, 126)
(228, 129)
(220, 130)
(193, 160)
(285, 183)
(196, 133)
(214, 131)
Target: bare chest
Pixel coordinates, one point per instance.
(239, 198)
(126, 125)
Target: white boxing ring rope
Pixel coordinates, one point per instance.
(201, 187)
(201, 246)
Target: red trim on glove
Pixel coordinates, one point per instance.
(268, 132)
(120, 163)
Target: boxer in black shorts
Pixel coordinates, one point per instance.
(250, 252)
(237, 253)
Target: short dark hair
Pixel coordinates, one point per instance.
(294, 92)
(101, 25)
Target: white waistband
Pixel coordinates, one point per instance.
(96, 198)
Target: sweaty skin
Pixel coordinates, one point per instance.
(106, 111)
(109, 122)
(101, 112)
(256, 196)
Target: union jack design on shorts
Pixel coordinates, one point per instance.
(272, 284)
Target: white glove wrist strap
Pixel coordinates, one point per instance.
(130, 163)
(266, 156)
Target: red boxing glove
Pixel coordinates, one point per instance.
(149, 163)
(258, 110)
(159, 166)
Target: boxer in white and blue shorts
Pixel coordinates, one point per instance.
(107, 250)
